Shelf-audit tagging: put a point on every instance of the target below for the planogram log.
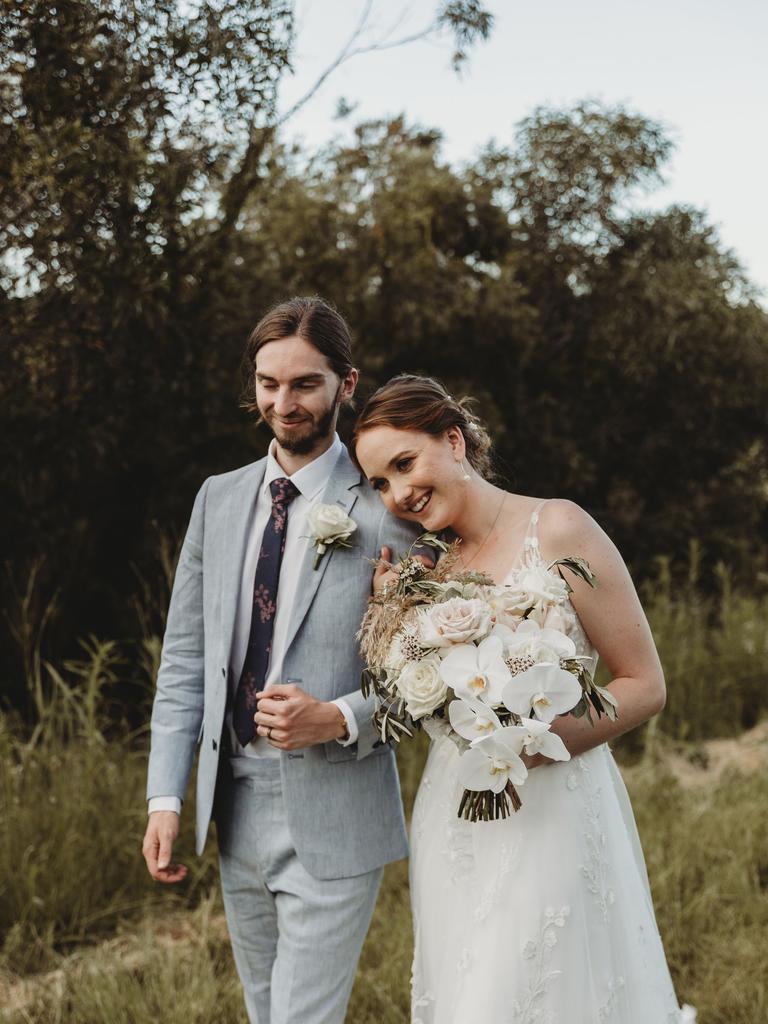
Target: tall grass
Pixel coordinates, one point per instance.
(707, 854)
(72, 815)
(179, 972)
(714, 651)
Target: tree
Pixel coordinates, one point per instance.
(620, 356)
(134, 136)
(645, 328)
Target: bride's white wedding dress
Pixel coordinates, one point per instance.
(544, 917)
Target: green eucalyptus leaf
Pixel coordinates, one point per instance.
(578, 566)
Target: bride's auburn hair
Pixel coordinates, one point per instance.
(409, 402)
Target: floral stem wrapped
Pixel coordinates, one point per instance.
(489, 666)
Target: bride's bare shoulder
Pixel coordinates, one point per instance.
(565, 528)
(561, 515)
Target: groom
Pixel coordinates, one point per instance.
(260, 672)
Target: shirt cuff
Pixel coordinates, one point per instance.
(349, 718)
(164, 803)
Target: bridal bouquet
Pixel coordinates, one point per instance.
(490, 666)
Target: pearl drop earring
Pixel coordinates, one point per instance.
(465, 474)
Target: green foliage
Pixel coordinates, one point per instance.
(176, 968)
(468, 20)
(149, 213)
(73, 811)
(72, 781)
(706, 854)
(713, 649)
(136, 140)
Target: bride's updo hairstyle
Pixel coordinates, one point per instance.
(408, 402)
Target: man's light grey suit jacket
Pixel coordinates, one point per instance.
(343, 803)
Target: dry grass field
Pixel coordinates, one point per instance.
(85, 937)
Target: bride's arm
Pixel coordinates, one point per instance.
(614, 621)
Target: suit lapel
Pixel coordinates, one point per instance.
(237, 521)
(341, 491)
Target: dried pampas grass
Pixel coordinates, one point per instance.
(387, 610)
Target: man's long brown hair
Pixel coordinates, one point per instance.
(312, 319)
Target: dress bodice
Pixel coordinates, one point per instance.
(530, 557)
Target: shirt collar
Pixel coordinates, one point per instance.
(312, 479)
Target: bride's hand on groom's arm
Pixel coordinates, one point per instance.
(386, 573)
(289, 718)
(162, 830)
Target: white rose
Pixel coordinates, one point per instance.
(505, 604)
(421, 686)
(457, 621)
(330, 523)
(536, 587)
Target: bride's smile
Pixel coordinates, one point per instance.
(421, 503)
(417, 476)
(428, 479)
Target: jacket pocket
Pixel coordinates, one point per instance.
(336, 754)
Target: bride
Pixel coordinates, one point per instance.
(544, 917)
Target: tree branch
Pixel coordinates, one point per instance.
(349, 50)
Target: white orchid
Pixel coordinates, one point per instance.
(539, 739)
(477, 672)
(493, 761)
(544, 691)
(472, 720)
(531, 641)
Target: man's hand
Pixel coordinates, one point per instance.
(290, 719)
(162, 829)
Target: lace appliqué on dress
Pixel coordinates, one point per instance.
(420, 1003)
(611, 1004)
(530, 1010)
(596, 870)
(420, 999)
(492, 892)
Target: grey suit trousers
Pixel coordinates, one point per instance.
(296, 939)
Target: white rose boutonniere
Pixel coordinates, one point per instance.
(331, 527)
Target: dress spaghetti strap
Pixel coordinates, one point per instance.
(530, 553)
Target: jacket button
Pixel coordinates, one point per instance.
(213, 742)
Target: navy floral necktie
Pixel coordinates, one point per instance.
(264, 607)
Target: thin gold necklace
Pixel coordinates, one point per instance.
(485, 539)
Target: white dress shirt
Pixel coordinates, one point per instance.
(311, 480)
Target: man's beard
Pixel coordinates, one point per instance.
(318, 430)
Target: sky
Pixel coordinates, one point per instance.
(700, 67)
